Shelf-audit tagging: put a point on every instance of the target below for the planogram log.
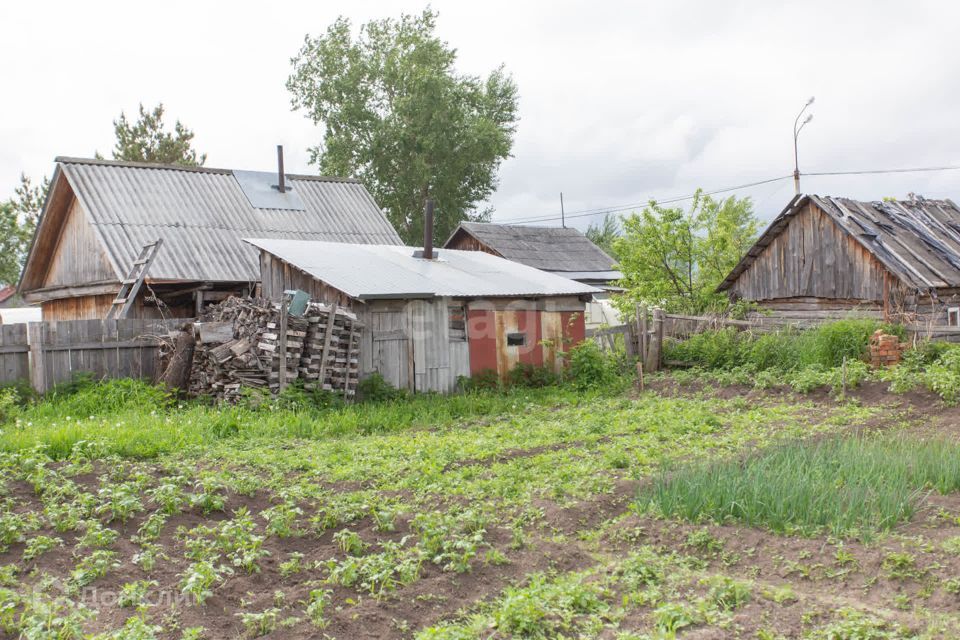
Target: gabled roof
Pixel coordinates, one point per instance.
(548, 248)
(917, 240)
(387, 271)
(202, 214)
(7, 292)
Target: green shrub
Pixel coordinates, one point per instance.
(374, 388)
(590, 367)
(533, 376)
(484, 380)
(9, 404)
(834, 341)
(825, 346)
(718, 349)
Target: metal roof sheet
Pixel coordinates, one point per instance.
(547, 248)
(917, 240)
(387, 271)
(202, 215)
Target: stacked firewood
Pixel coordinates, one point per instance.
(239, 345)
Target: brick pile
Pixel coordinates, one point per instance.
(885, 349)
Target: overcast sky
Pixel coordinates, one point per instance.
(619, 101)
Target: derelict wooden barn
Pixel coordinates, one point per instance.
(99, 214)
(826, 257)
(428, 322)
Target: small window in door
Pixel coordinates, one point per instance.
(516, 339)
(457, 318)
(953, 317)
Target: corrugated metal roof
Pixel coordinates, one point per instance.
(202, 215)
(547, 248)
(387, 271)
(917, 240)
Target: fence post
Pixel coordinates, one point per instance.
(38, 375)
(629, 340)
(642, 330)
(656, 343)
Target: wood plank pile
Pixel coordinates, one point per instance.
(331, 358)
(239, 346)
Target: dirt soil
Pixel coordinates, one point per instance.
(822, 583)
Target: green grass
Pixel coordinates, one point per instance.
(844, 485)
(134, 420)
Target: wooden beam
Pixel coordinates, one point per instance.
(58, 293)
(327, 335)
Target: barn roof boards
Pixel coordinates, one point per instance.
(917, 240)
(202, 214)
(548, 248)
(387, 271)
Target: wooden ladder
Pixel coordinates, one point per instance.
(130, 286)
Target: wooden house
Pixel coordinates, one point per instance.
(99, 214)
(827, 257)
(429, 321)
(561, 251)
(9, 297)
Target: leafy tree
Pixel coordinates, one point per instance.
(676, 258)
(604, 233)
(397, 115)
(18, 220)
(146, 140)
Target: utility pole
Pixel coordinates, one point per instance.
(797, 127)
(563, 217)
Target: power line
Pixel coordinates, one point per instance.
(584, 213)
(876, 171)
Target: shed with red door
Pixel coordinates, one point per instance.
(430, 320)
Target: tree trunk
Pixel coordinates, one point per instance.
(177, 375)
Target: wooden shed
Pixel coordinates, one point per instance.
(428, 322)
(828, 257)
(99, 214)
(559, 250)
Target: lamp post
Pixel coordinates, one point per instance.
(797, 127)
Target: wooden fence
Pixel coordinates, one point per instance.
(644, 335)
(49, 353)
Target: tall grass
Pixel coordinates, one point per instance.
(133, 419)
(855, 485)
(824, 346)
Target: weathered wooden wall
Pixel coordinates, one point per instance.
(77, 257)
(812, 258)
(414, 344)
(277, 276)
(48, 353)
(463, 241)
(79, 308)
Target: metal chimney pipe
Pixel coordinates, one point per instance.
(281, 186)
(428, 230)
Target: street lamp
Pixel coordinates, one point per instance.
(797, 127)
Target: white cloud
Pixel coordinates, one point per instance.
(620, 101)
